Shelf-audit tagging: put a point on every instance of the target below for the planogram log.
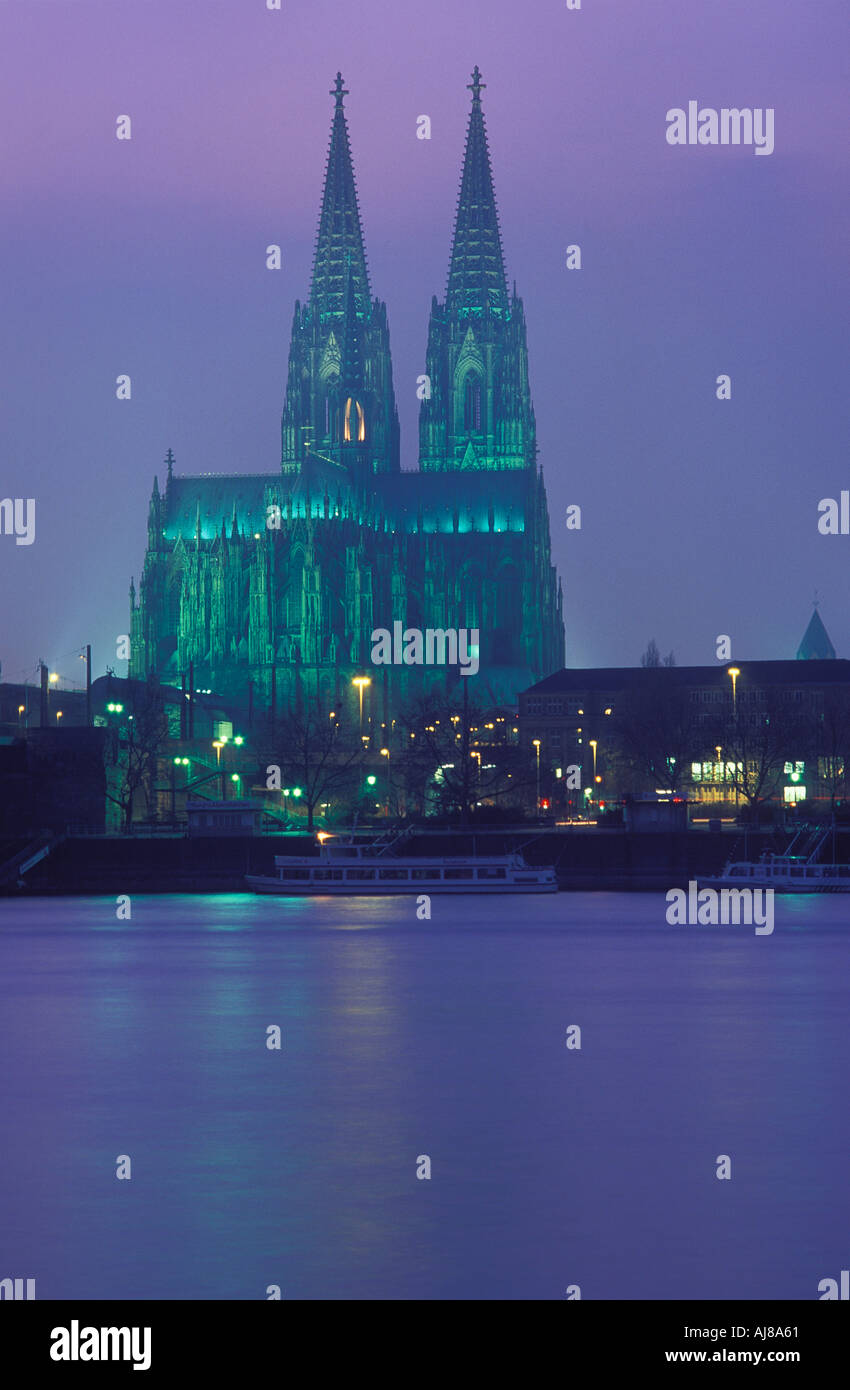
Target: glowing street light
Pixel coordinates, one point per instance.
(734, 672)
(361, 682)
(536, 742)
(58, 715)
(218, 744)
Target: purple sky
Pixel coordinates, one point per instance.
(147, 257)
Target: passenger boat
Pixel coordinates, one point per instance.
(787, 873)
(783, 873)
(343, 867)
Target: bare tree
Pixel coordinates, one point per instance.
(658, 735)
(449, 766)
(830, 742)
(314, 749)
(652, 656)
(758, 737)
(143, 729)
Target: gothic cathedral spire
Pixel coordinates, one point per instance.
(339, 392)
(477, 411)
(339, 250)
(477, 270)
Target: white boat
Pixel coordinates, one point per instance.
(787, 873)
(784, 874)
(343, 867)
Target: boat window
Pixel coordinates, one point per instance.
(393, 873)
(459, 873)
(491, 873)
(324, 874)
(421, 874)
(359, 874)
(295, 873)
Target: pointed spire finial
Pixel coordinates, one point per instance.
(476, 86)
(338, 90)
(169, 459)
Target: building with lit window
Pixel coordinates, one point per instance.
(774, 731)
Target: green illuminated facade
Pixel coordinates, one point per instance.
(278, 579)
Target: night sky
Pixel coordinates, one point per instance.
(148, 257)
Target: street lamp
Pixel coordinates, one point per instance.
(218, 744)
(385, 753)
(734, 672)
(536, 742)
(361, 682)
(593, 743)
(58, 715)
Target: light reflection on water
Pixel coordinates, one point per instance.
(404, 1037)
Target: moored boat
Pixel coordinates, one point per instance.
(787, 873)
(344, 867)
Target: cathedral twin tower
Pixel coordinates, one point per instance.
(276, 581)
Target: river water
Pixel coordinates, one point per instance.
(550, 1166)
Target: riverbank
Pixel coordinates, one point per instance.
(585, 858)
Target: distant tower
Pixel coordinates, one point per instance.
(339, 396)
(479, 414)
(816, 645)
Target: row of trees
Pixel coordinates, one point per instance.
(438, 759)
(433, 762)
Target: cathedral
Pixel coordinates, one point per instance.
(273, 583)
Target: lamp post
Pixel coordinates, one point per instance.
(536, 742)
(734, 672)
(385, 753)
(218, 744)
(593, 744)
(718, 750)
(361, 682)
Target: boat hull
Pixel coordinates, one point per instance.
(779, 885)
(273, 886)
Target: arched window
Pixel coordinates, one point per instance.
(359, 418)
(472, 404)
